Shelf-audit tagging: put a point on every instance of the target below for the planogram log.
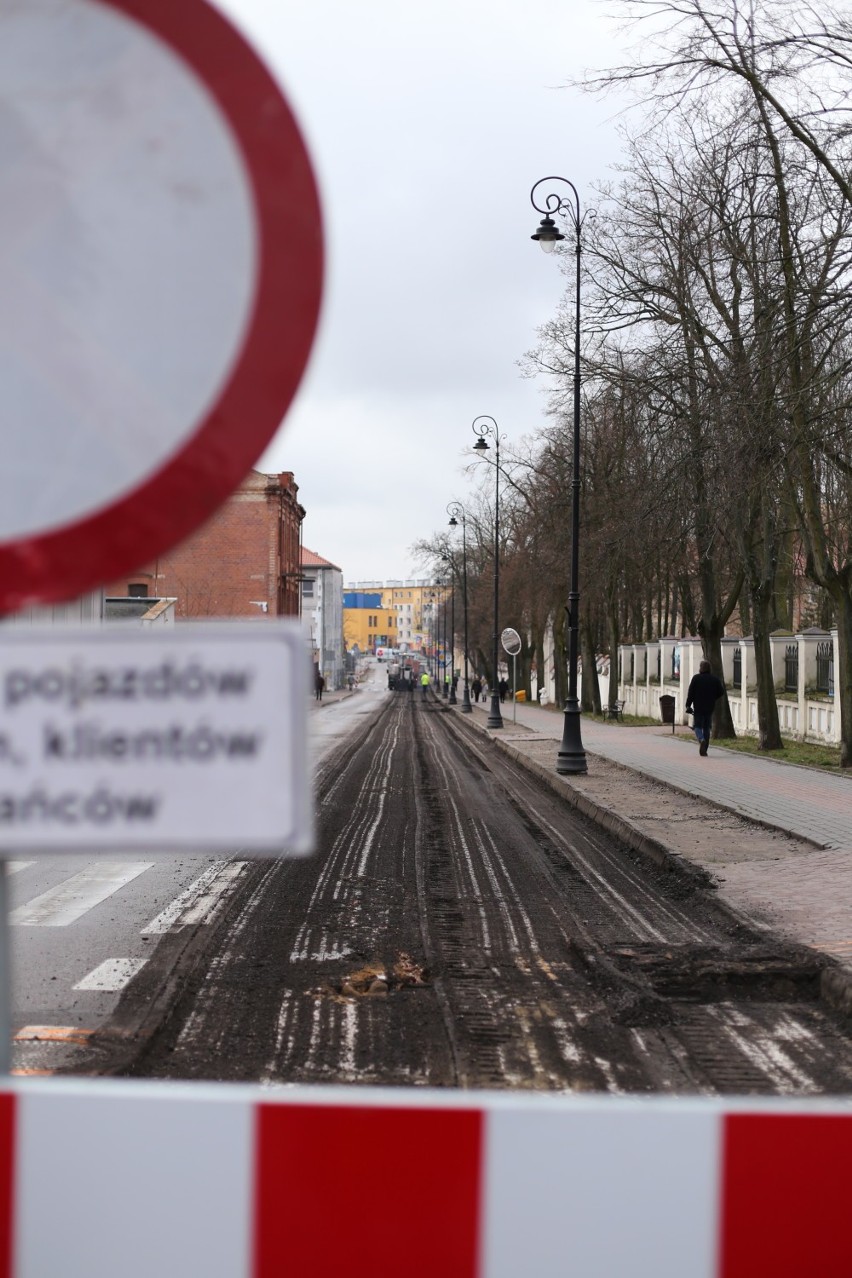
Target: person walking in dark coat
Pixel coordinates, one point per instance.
(704, 691)
(476, 687)
(319, 684)
(503, 688)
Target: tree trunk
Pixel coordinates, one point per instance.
(745, 614)
(614, 640)
(843, 677)
(768, 727)
(836, 578)
(760, 555)
(590, 698)
(539, 663)
(560, 658)
(711, 629)
(525, 663)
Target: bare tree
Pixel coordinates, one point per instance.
(794, 59)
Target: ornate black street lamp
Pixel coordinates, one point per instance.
(571, 756)
(448, 559)
(444, 689)
(457, 514)
(486, 427)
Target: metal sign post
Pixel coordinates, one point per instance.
(5, 973)
(514, 687)
(511, 641)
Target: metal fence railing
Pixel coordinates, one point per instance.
(791, 667)
(825, 668)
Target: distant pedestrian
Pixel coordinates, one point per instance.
(503, 688)
(424, 684)
(476, 687)
(319, 685)
(454, 684)
(351, 682)
(704, 691)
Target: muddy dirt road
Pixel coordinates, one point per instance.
(459, 926)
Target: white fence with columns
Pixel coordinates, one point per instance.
(648, 671)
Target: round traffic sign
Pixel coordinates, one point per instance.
(160, 279)
(511, 641)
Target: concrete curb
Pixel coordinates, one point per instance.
(835, 989)
(621, 826)
(335, 698)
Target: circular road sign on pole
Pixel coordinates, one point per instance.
(160, 280)
(511, 642)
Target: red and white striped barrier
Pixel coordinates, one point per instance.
(121, 1180)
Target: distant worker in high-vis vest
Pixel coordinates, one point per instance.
(424, 683)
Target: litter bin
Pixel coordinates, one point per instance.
(667, 709)
(521, 695)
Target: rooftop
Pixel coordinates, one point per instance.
(310, 559)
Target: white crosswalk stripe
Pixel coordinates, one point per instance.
(70, 900)
(201, 901)
(112, 975)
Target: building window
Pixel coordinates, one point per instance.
(308, 586)
(137, 590)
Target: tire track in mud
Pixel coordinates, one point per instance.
(459, 926)
(272, 1003)
(689, 997)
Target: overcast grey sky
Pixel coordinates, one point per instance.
(428, 125)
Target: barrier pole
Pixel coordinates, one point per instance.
(5, 974)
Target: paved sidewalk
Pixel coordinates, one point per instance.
(796, 877)
(811, 804)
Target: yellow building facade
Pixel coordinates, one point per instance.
(405, 616)
(368, 628)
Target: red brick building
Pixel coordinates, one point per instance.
(244, 562)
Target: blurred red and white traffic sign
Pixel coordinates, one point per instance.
(160, 278)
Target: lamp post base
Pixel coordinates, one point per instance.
(467, 708)
(571, 757)
(495, 718)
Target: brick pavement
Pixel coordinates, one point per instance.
(801, 885)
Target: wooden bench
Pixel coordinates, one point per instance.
(615, 711)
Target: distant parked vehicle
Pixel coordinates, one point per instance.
(401, 676)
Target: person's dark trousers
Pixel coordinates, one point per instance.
(702, 725)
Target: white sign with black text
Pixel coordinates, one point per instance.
(195, 739)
